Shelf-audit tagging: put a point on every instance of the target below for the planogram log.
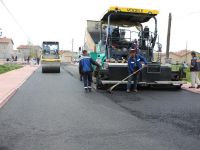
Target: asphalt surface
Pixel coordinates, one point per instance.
(52, 111)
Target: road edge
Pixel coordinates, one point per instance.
(13, 91)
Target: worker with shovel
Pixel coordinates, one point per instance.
(134, 64)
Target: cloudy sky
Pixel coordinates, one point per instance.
(62, 20)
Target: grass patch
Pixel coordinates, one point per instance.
(8, 67)
(188, 75)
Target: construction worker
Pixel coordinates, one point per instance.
(194, 70)
(86, 69)
(134, 63)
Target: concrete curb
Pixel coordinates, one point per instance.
(7, 97)
(191, 90)
(12, 92)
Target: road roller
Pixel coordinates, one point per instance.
(50, 58)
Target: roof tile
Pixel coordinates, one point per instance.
(6, 40)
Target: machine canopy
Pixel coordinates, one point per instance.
(128, 16)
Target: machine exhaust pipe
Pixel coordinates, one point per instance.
(168, 37)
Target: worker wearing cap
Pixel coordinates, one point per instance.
(194, 70)
(85, 69)
(134, 63)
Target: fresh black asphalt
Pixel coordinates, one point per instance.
(52, 111)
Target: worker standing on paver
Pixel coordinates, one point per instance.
(86, 69)
(134, 63)
(194, 70)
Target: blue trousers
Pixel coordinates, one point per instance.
(133, 78)
(87, 79)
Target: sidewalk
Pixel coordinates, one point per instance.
(11, 81)
(186, 87)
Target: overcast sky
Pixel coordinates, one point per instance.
(62, 20)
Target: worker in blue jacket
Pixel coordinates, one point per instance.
(134, 63)
(86, 69)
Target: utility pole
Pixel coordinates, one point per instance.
(72, 45)
(168, 36)
(72, 49)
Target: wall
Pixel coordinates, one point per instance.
(176, 58)
(68, 56)
(6, 50)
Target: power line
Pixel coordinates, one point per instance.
(194, 12)
(187, 14)
(15, 20)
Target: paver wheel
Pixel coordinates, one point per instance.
(58, 70)
(43, 70)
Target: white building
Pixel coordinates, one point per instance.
(29, 50)
(68, 56)
(6, 47)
